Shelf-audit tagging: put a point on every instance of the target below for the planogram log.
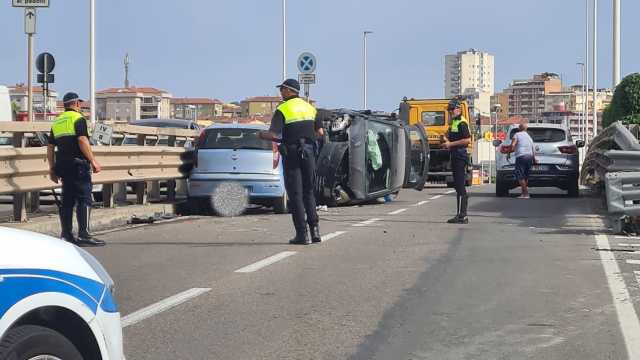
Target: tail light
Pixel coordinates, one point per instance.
(569, 150)
(276, 155)
(505, 149)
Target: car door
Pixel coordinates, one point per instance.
(417, 157)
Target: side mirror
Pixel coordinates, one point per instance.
(497, 143)
(580, 143)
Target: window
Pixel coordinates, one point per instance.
(234, 139)
(433, 118)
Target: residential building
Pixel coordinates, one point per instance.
(471, 74)
(231, 110)
(527, 97)
(259, 105)
(196, 108)
(501, 99)
(19, 94)
(126, 104)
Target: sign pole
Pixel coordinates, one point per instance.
(306, 91)
(30, 77)
(92, 61)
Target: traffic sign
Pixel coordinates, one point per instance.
(45, 63)
(307, 78)
(488, 136)
(307, 63)
(502, 135)
(30, 3)
(102, 133)
(29, 21)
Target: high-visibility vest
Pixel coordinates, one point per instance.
(456, 123)
(65, 124)
(296, 110)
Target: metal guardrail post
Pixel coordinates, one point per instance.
(154, 190)
(142, 197)
(19, 199)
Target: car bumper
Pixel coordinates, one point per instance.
(553, 177)
(111, 330)
(259, 186)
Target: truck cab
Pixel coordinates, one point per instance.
(432, 114)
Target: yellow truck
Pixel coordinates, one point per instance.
(433, 115)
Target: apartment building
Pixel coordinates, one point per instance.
(259, 105)
(527, 98)
(43, 109)
(126, 104)
(196, 108)
(471, 74)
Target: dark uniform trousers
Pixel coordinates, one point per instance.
(299, 180)
(76, 190)
(459, 159)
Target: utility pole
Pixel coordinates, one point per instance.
(92, 59)
(284, 40)
(30, 77)
(594, 62)
(364, 67)
(585, 123)
(616, 43)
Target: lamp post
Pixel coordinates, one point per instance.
(92, 60)
(284, 40)
(594, 63)
(616, 43)
(583, 112)
(364, 67)
(497, 108)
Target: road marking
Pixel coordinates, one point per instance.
(161, 306)
(436, 197)
(627, 317)
(332, 235)
(450, 192)
(629, 245)
(366, 222)
(399, 211)
(628, 237)
(265, 262)
(421, 203)
(633, 262)
(637, 274)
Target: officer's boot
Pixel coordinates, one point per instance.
(66, 224)
(302, 238)
(84, 238)
(454, 220)
(462, 217)
(315, 233)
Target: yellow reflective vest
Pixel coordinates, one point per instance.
(65, 124)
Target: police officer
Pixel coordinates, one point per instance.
(457, 141)
(72, 163)
(296, 122)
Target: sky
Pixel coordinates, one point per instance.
(232, 49)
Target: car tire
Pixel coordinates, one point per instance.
(573, 189)
(281, 205)
(502, 190)
(31, 341)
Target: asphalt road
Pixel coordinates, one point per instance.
(524, 280)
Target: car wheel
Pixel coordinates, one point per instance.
(281, 205)
(36, 342)
(573, 189)
(502, 190)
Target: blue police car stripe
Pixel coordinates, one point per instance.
(18, 284)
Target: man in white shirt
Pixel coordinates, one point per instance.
(522, 145)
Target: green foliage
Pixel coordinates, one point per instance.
(625, 105)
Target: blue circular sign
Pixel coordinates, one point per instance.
(307, 63)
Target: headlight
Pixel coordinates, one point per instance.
(99, 269)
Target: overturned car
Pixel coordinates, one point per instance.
(365, 156)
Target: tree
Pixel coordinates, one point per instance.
(625, 105)
(15, 108)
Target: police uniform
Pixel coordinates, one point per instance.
(458, 130)
(73, 168)
(296, 120)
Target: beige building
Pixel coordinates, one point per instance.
(503, 100)
(231, 110)
(196, 108)
(527, 98)
(126, 104)
(259, 105)
(19, 94)
(471, 73)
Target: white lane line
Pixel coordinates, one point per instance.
(265, 262)
(366, 222)
(637, 274)
(628, 245)
(627, 316)
(450, 192)
(421, 203)
(399, 211)
(332, 235)
(436, 197)
(628, 237)
(162, 306)
(633, 262)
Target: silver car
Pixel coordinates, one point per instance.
(557, 160)
(234, 153)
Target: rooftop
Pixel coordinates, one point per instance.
(197, 101)
(132, 90)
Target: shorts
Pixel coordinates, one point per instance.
(523, 167)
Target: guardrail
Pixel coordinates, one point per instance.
(24, 171)
(613, 164)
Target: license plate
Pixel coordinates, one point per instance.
(540, 168)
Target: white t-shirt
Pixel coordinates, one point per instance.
(524, 146)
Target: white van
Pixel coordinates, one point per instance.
(5, 104)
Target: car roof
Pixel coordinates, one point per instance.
(23, 249)
(541, 126)
(238, 126)
(180, 123)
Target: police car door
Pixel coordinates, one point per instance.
(417, 157)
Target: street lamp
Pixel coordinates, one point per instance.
(92, 60)
(497, 108)
(364, 66)
(582, 119)
(284, 40)
(616, 43)
(594, 63)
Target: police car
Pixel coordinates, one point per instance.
(56, 301)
